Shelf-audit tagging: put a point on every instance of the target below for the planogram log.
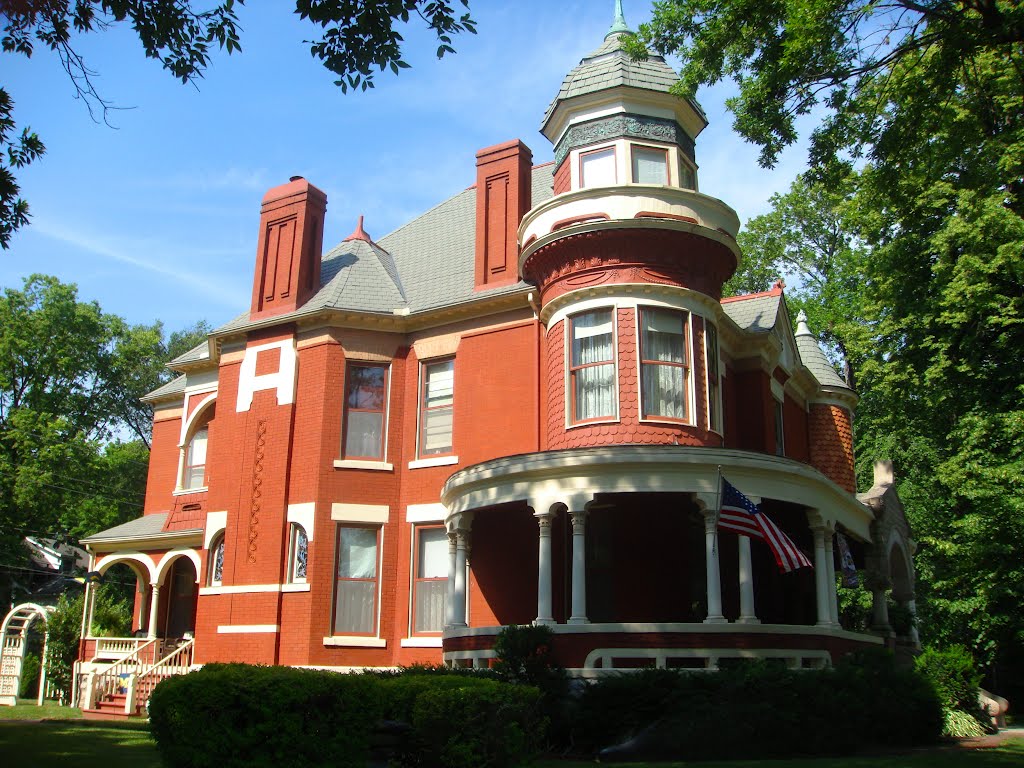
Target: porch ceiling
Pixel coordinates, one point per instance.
(572, 477)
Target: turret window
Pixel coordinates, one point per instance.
(650, 165)
(194, 476)
(592, 366)
(664, 373)
(597, 168)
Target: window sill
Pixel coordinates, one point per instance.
(380, 466)
(355, 641)
(667, 421)
(187, 491)
(434, 461)
(421, 642)
(593, 423)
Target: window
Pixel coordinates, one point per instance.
(195, 460)
(663, 369)
(366, 399)
(714, 378)
(650, 165)
(437, 399)
(597, 169)
(431, 578)
(215, 563)
(687, 176)
(780, 435)
(298, 553)
(355, 590)
(592, 366)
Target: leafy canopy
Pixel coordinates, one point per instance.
(357, 38)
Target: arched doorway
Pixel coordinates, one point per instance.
(182, 593)
(14, 635)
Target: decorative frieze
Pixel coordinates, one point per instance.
(619, 126)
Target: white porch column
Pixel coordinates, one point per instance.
(154, 602)
(914, 636)
(830, 561)
(821, 578)
(459, 597)
(880, 610)
(714, 576)
(579, 568)
(747, 612)
(92, 609)
(449, 598)
(544, 613)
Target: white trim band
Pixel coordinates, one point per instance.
(245, 629)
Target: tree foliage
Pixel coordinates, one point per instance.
(73, 450)
(357, 38)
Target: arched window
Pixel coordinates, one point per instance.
(194, 475)
(298, 554)
(215, 563)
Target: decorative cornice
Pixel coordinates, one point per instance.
(619, 126)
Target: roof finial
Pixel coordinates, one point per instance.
(802, 329)
(359, 234)
(619, 26)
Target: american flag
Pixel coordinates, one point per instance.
(740, 514)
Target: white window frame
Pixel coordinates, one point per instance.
(360, 461)
(372, 638)
(614, 149)
(667, 151)
(293, 538)
(432, 459)
(414, 562)
(690, 419)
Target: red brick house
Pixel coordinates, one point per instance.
(515, 408)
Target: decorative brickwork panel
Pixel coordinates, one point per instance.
(831, 444)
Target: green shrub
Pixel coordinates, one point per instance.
(757, 709)
(951, 672)
(236, 715)
(960, 725)
(487, 723)
(29, 685)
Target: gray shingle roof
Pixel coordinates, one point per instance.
(609, 67)
(756, 314)
(424, 264)
(175, 386)
(145, 527)
(812, 356)
(200, 351)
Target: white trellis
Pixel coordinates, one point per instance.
(13, 642)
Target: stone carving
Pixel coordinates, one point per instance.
(257, 483)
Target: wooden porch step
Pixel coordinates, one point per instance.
(110, 708)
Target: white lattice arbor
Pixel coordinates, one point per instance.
(13, 643)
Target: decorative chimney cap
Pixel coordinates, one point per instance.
(884, 473)
(359, 233)
(296, 178)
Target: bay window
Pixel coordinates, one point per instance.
(664, 372)
(430, 582)
(437, 401)
(592, 365)
(355, 588)
(366, 399)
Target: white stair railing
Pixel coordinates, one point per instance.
(110, 679)
(178, 662)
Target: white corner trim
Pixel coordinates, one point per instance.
(426, 513)
(437, 461)
(304, 514)
(380, 466)
(283, 380)
(215, 523)
(246, 629)
(421, 642)
(356, 641)
(360, 513)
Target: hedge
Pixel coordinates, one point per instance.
(760, 710)
(229, 715)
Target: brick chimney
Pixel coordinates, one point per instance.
(502, 199)
(288, 249)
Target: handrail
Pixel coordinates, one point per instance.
(178, 662)
(110, 678)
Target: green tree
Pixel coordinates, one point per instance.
(112, 617)
(355, 39)
(69, 377)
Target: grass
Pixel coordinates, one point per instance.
(83, 742)
(1009, 754)
(26, 709)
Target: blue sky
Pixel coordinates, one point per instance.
(157, 218)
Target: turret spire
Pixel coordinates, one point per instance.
(619, 26)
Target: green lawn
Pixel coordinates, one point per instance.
(27, 710)
(129, 745)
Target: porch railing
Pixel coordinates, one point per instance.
(110, 680)
(177, 662)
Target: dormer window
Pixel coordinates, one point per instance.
(650, 165)
(597, 168)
